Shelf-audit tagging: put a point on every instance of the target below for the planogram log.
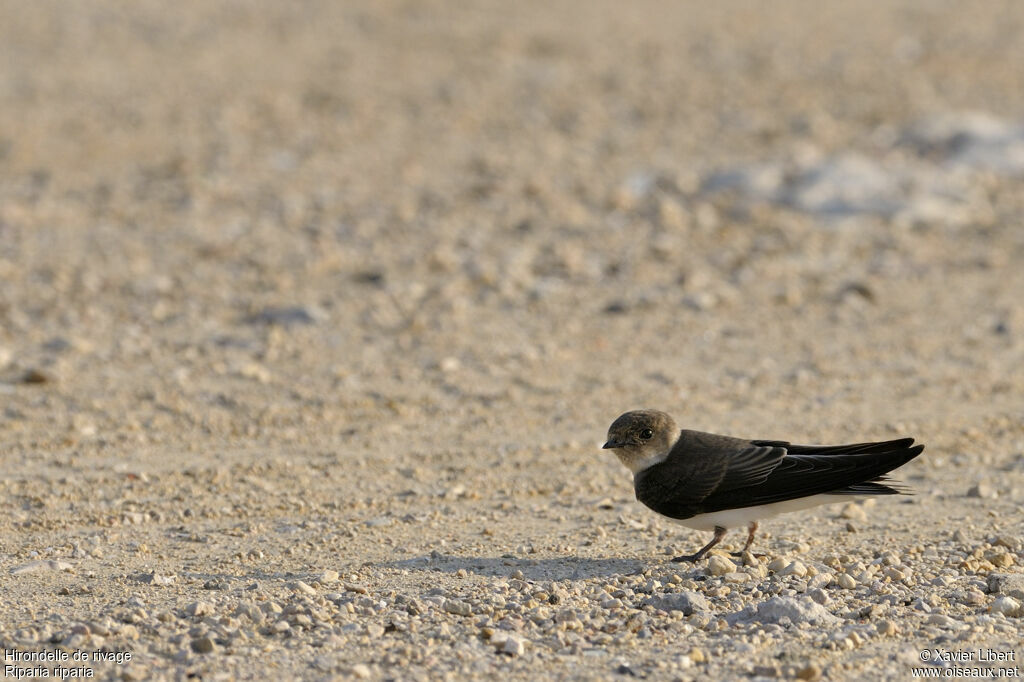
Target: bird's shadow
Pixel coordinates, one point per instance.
(563, 568)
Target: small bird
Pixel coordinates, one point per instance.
(710, 482)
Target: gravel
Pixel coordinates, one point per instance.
(314, 315)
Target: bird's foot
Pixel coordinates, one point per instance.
(739, 555)
(688, 558)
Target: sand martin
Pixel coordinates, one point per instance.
(710, 482)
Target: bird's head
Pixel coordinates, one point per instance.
(642, 438)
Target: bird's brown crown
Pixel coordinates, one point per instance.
(642, 438)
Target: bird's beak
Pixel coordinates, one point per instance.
(612, 444)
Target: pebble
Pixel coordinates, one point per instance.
(566, 616)
(795, 568)
(889, 559)
(846, 581)
(719, 565)
(1011, 584)
(514, 645)
(809, 672)
(854, 512)
(328, 576)
(795, 609)
(687, 602)
(157, 579)
(42, 565)
(942, 620)
(286, 316)
(249, 610)
(887, 628)
(203, 645)
(302, 587)
(999, 558)
(974, 598)
(974, 140)
(983, 490)
(1008, 606)
(651, 586)
(361, 671)
(134, 518)
(198, 609)
(35, 375)
(458, 607)
(893, 574)
(819, 595)
(820, 580)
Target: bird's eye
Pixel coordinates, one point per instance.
(646, 434)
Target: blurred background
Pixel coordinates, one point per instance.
(447, 229)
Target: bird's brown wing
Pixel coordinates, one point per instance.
(698, 466)
(718, 473)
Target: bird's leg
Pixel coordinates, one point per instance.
(751, 529)
(719, 534)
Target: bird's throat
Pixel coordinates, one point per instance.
(638, 461)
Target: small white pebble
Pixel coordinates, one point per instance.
(514, 645)
(974, 598)
(887, 628)
(719, 565)
(796, 568)
(854, 512)
(942, 620)
(847, 582)
(1008, 606)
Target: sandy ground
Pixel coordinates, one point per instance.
(313, 317)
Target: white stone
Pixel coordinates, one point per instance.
(457, 607)
(1010, 584)
(688, 602)
(796, 609)
(854, 512)
(719, 565)
(514, 645)
(302, 588)
(796, 568)
(42, 565)
(1008, 606)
